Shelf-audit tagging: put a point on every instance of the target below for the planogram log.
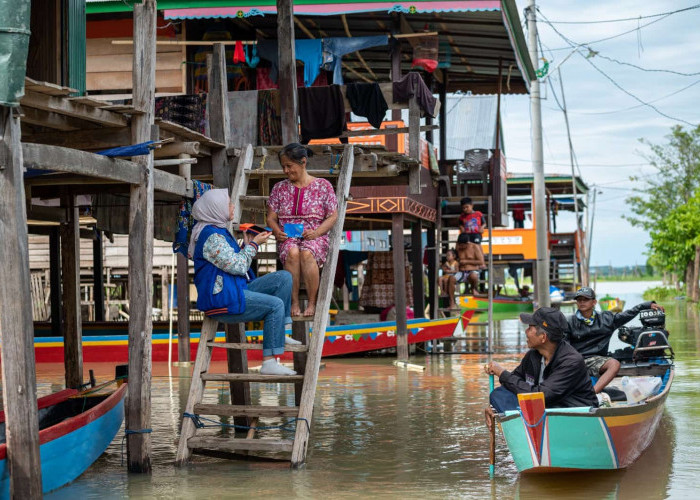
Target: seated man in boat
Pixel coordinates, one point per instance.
(551, 366)
(589, 332)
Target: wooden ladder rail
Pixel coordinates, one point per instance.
(325, 290)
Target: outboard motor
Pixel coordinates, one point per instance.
(646, 341)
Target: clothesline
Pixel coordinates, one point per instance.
(254, 42)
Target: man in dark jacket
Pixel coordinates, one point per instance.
(551, 366)
(589, 332)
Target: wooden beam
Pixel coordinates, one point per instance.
(16, 328)
(138, 402)
(41, 157)
(414, 149)
(55, 280)
(171, 183)
(417, 270)
(96, 139)
(399, 286)
(287, 71)
(73, 109)
(219, 120)
(98, 275)
(70, 279)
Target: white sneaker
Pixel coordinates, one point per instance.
(291, 341)
(272, 367)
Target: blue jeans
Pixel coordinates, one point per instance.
(503, 400)
(267, 298)
(336, 48)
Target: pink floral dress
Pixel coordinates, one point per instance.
(309, 206)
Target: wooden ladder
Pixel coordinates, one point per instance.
(307, 355)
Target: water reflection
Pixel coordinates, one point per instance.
(387, 432)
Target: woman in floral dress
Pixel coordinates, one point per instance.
(310, 201)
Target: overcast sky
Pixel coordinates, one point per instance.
(605, 130)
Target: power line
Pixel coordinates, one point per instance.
(573, 44)
(606, 165)
(649, 70)
(638, 28)
(602, 21)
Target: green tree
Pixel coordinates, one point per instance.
(678, 164)
(658, 205)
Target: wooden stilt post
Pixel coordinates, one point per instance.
(98, 277)
(70, 278)
(287, 70)
(55, 281)
(399, 286)
(443, 120)
(417, 270)
(138, 403)
(183, 288)
(433, 265)
(16, 329)
(414, 186)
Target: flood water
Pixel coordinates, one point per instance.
(382, 431)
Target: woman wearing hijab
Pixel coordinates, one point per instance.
(302, 199)
(226, 288)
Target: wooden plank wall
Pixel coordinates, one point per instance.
(109, 66)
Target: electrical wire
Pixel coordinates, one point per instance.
(573, 44)
(602, 21)
(649, 70)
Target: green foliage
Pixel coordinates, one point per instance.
(673, 241)
(668, 205)
(678, 164)
(661, 293)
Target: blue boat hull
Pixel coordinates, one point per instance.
(70, 447)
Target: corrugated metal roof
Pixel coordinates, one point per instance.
(471, 123)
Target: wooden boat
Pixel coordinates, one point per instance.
(75, 428)
(107, 342)
(500, 304)
(563, 439)
(612, 304)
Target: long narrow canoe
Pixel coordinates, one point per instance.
(108, 342)
(500, 305)
(561, 439)
(75, 428)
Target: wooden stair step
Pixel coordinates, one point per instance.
(478, 323)
(228, 444)
(252, 346)
(251, 377)
(246, 411)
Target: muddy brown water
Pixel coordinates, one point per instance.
(380, 431)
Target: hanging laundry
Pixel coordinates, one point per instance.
(253, 59)
(321, 112)
(185, 221)
(238, 54)
(309, 52)
(335, 48)
(263, 80)
(366, 99)
(413, 85)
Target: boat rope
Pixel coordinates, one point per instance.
(199, 423)
(129, 431)
(536, 424)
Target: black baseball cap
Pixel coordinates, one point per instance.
(585, 291)
(551, 320)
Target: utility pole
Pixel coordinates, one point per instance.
(542, 278)
(580, 245)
